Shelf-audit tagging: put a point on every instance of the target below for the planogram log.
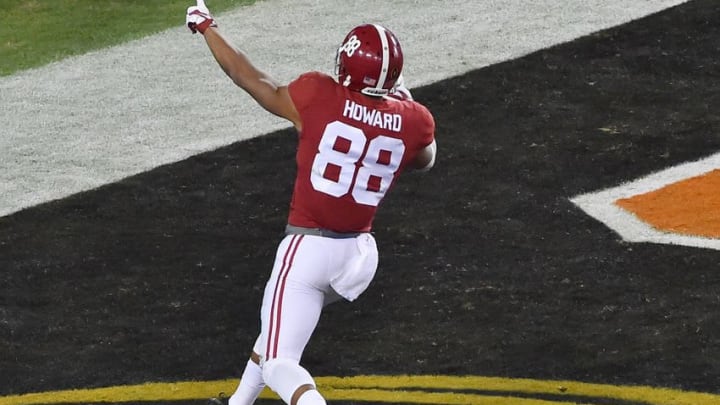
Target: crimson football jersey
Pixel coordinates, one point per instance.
(351, 149)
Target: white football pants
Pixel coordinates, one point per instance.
(309, 272)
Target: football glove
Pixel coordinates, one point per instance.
(198, 18)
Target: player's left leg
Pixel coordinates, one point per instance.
(293, 300)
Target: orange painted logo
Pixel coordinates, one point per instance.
(688, 207)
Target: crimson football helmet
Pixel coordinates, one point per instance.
(369, 60)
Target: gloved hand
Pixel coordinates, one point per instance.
(198, 18)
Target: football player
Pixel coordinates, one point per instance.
(357, 131)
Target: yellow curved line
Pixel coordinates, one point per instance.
(422, 397)
(127, 393)
(642, 394)
(380, 388)
(186, 391)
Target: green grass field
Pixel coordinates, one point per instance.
(36, 32)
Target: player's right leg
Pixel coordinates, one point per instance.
(251, 383)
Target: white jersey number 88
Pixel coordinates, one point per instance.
(377, 168)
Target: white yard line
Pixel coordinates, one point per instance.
(97, 118)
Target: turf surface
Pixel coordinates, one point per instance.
(486, 267)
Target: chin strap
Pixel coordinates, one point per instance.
(374, 92)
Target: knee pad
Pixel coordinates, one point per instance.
(285, 376)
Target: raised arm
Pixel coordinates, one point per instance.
(269, 93)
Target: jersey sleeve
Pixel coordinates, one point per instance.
(306, 88)
(426, 127)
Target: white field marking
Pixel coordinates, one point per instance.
(601, 205)
(94, 119)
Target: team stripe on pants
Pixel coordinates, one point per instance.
(276, 308)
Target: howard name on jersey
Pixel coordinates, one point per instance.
(369, 116)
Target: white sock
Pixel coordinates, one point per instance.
(251, 385)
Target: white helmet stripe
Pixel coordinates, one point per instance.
(385, 57)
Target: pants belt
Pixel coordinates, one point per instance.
(299, 230)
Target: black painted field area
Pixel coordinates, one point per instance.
(486, 266)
